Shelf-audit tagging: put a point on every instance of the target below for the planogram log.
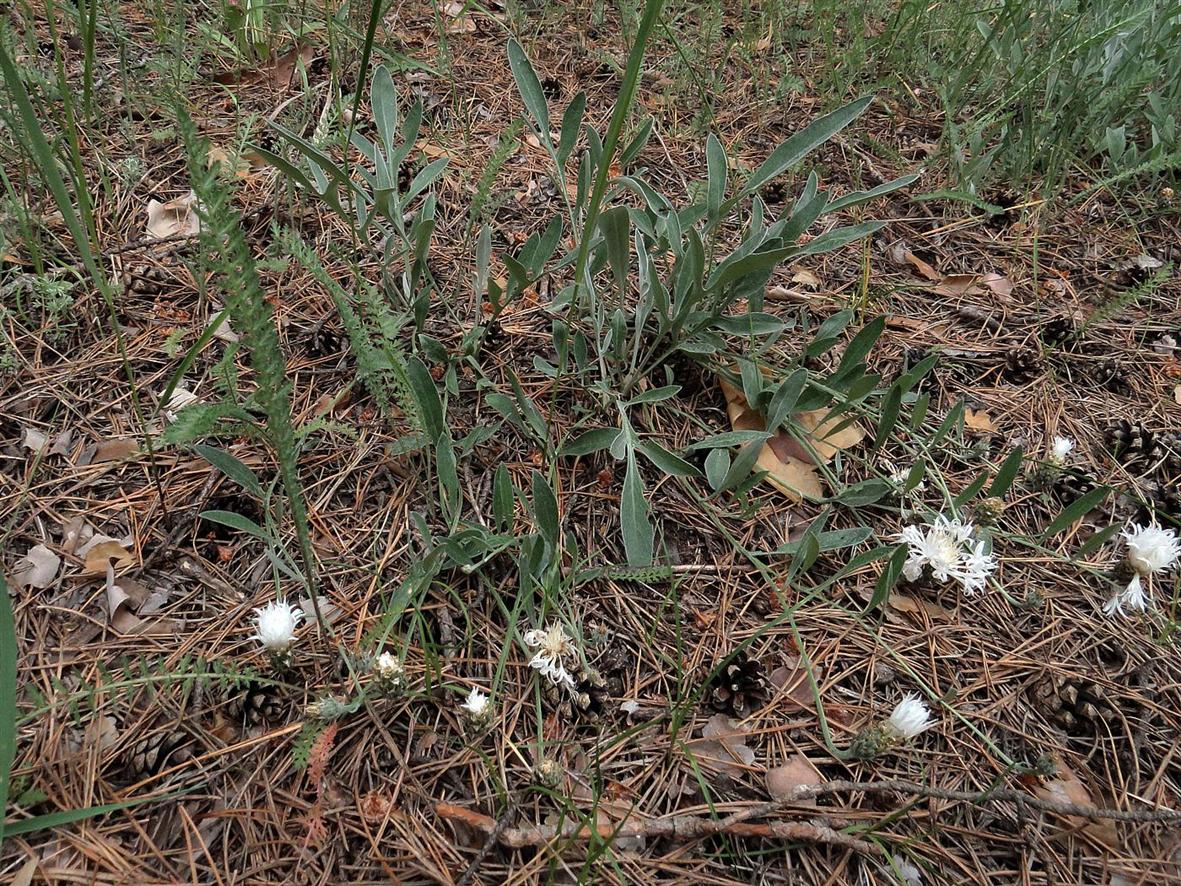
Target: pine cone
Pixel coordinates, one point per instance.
(590, 693)
(145, 280)
(739, 686)
(1127, 440)
(775, 193)
(1022, 364)
(323, 342)
(258, 705)
(157, 752)
(1071, 484)
(1059, 332)
(1075, 704)
(1167, 456)
(1109, 374)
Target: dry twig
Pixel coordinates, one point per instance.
(676, 827)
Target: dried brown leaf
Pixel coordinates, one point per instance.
(175, 218)
(905, 256)
(34, 440)
(98, 556)
(956, 284)
(997, 283)
(912, 605)
(979, 420)
(806, 278)
(789, 465)
(1067, 787)
(794, 680)
(798, 771)
(38, 568)
(113, 450)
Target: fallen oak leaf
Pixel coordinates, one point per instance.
(957, 284)
(172, 219)
(98, 557)
(1066, 787)
(997, 283)
(788, 464)
(37, 568)
(900, 255)
(979, 420)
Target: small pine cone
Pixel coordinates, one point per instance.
(1074, 703)
(739, 687)
(775, 193)
(1167, 457)
(988, 511)
(551, 88)
(1071, 484)
(590, 692)
(1162, 500)
(258, 705)
(157, 752)
(323, 342)
(145, 280)
(1022, 364)
(1109, 374)
(494, 335)
(1059, 332)
(1128, 440)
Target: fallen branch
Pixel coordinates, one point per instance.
(676, 827)
(808, 792)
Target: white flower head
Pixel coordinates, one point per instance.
(1133, 597)
(181, 398)
(1061, 449)
(1151, 548)
(476, 703)
(946, 547)
(275, 625)
(910, 717)
(388, 667)
(553, 645)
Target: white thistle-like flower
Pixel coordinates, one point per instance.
(181, 398)
(389, 670)
(476, 703)
(275, 625)
(910, 717)
(1133, 597)
(553, 646)
(1061, 450)
(1151, 548)
(946, 547)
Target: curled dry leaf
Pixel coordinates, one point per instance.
(175, 218)
(979, 420)
(997, 283)
(37, 568)
(797, 772)
(795, 692)
(459, 21)
(790, 467)
(1066, 787)
(181, 397)
(113, 450)
(100, 551)
(278, 73)
(806, 278)
(900, 255)
(912, 605)
(35, 441)
(956, 284)
(722, 747)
